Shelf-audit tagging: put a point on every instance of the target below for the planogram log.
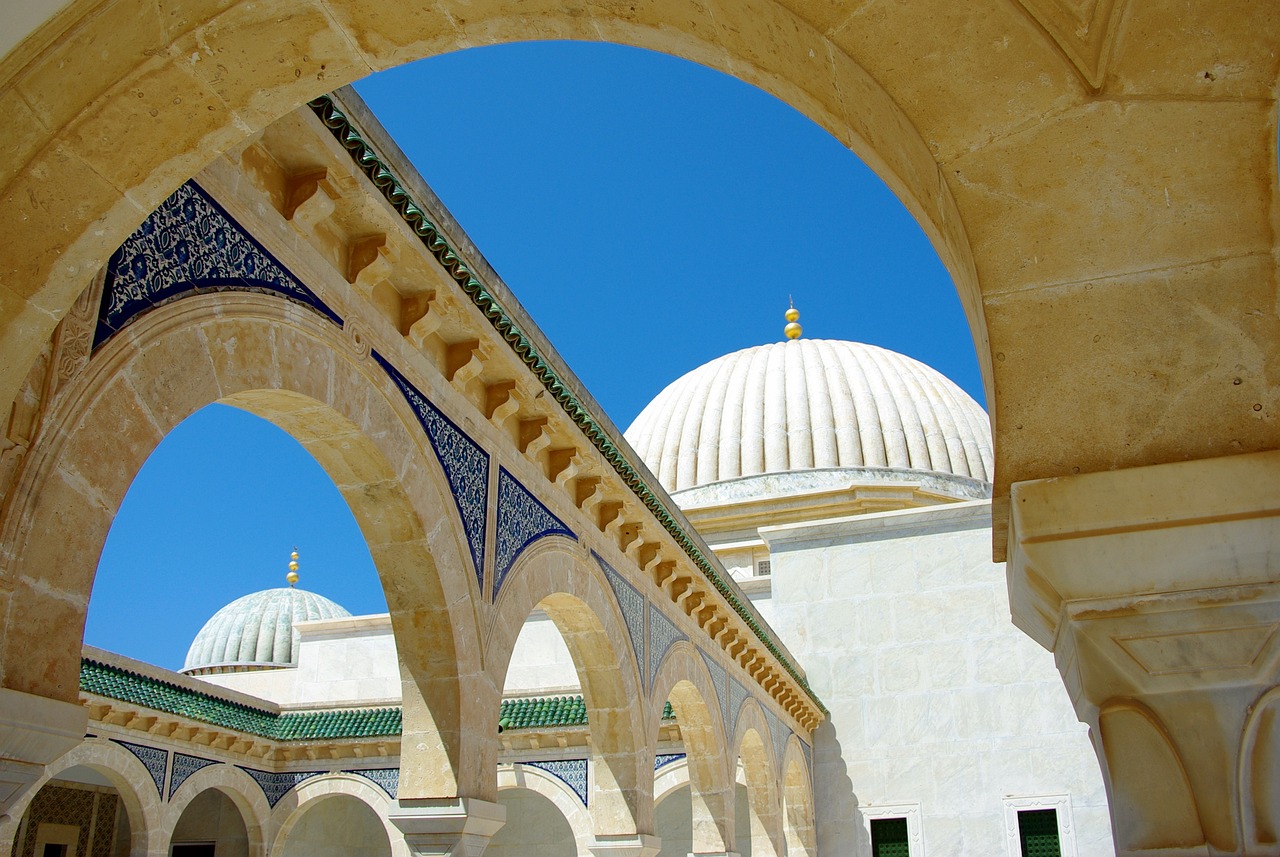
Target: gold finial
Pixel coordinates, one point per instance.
(793, 328)
(292, 576)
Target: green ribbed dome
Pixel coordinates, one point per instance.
(257, 631)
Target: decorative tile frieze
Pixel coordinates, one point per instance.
(807, 749)
(572, 772)
(737, 696)
(779, 732)
(387, 779)
(465, 464)
(183, 767)
(720, 679)
(663, 759)
(154, 759)
(662, 634)
(276, 785)
(631, 602)
(188, 245)
(522, 520)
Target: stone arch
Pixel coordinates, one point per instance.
(554, 789)
(683, 679)
(753, 751)
(1152, 804)
(1259, 780)
(799, 824)
(759, 41)
(309, 794)
(553, 575)
(128, 776)
(235, 785)
(296, 369)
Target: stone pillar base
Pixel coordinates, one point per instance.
(34, 731)
(448, 827)
(626, 845)
(713, 854)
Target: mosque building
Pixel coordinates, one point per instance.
(847, 490)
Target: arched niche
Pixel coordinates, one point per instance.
(673, 821)
(297, 370)
(1260, 773)
(754, 755)
(799, 823)
(334, 825)
(553, 576)
(535, 825)
(531, 778)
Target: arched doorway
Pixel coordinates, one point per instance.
(211, 826)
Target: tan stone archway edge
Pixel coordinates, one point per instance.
(1099, 188)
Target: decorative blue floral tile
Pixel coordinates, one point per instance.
(183, 767)
(155, 760)
(737, 696)
(572, 772)
(720, 679)
(277, 785)
(663, 759)
(186, 246)
(522, 520)
(388, 779)
(779, 732)
(631, 602)
(465, 464)
(662, 634)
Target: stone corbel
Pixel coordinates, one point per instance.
(369, 261)
(562, 464)
(500, 401)
(463, 361)
(534, 436)
(626, 845)
(310, 197)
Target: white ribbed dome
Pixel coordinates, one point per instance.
(257, 631)
(809, 404)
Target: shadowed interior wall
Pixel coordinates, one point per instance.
(534, 828)
(338, 826)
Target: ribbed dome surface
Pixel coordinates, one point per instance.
(810, 403)
(257, 630)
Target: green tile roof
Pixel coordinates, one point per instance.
(114, 682)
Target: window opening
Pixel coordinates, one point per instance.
(1038, 833)
(889, 837)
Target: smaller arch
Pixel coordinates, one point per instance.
(554, 789)
(1259, 773)
(554, 575)
(293, 814)
(127, 775)
(754, 754)
(236, 786)
(799, 823)
(683, 679)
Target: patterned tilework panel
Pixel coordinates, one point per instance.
(663, 759)
(662, 634)
(808, 758)
(183, 767)
(522, 520)
(737, 696)
(465, 465)
(632, 604)
(188, 245)
(779, 732)
(104, 826)
(277, 785)
(720, 680)
(388, 779)
(155, 760)
(573, 772)
(62, 805)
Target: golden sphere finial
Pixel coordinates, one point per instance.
(793, 328)
(292, 576)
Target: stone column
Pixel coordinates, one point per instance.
(448, 827)
(1158, 591)
(626, 845)
(34, 731)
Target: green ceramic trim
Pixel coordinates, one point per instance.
(394, 192)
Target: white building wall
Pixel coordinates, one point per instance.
(540, 662)
(901, 622)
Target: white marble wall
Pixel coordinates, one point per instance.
(901, 622)
(540, 662)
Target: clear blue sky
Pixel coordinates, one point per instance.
(650, 214)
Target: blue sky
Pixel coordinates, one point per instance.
(650, 214)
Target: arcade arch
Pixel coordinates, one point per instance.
(535, 825)
(333, 825)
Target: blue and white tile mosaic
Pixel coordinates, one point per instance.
(465, 464)
(277, 785)
(808, 758)
(189, 245)
(737, 696)
(155, 760)
(572, 772)
(720, 679)
(662, 634)
(631, 603)
(388, 779)
(522, 520)
(183, 767)
(779, 732)
(663, 759)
